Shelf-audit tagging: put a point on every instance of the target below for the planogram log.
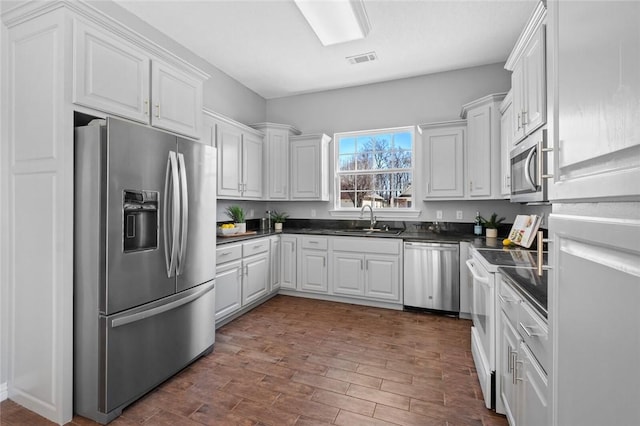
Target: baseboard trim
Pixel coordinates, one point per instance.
(4, 391)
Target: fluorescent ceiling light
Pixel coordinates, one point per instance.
(335, 21)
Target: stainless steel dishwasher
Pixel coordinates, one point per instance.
(432, 276)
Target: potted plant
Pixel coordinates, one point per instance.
(491, 225)
(278, 219)
(236, 213)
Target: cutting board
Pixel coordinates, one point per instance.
(524, 229)
(238, 235)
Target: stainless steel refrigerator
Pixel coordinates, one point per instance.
(144, 262)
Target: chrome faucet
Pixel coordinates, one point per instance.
(373, 218)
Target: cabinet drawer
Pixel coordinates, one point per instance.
(509, 301)
(227, 253)
(255, 246)
(535, 333)
(318, 243)
(368, 245)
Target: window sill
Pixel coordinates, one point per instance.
(380, 214)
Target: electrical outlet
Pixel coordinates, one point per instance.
(313, 212)
(251, 212)
(439, 214)
(459, 214)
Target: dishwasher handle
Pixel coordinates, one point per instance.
(431, 246)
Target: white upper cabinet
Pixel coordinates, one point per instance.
(177, 100)
(276, 159)
(119, 77)
(110, 74)
(594, 130)
(251, 165)
(239, 158)
(444, 159)
(310, 167)
(506, 138)
(483, 147)
(528, 80)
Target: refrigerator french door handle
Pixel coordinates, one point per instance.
(171, 179)
(184, 215)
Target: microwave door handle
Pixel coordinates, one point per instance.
(184, 214)
(527, 168)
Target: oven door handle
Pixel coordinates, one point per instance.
(527, 169)
(472, 267)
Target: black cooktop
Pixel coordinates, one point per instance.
(532, 286)
(522, 258)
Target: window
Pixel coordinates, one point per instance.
(374, 168)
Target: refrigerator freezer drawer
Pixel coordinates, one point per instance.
(146, 347)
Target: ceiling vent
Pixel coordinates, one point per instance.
(363, 57)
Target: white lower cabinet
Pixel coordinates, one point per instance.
(244, 275)
(255, 282)
(523, 350)
(228, 288)
(382, 277)
(288, 262)
(348, 274)
(314, 264)
(367, 268)
(274, 264)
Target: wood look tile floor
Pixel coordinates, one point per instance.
(296, 361)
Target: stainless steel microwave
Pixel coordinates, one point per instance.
(528, 167)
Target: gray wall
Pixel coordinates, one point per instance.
(410, 101)
(417, 100)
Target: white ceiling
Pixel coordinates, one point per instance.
(268, 46)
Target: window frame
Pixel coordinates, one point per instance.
(387, 212)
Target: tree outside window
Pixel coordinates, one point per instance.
(375, 168)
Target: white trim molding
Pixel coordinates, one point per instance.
(4, 391)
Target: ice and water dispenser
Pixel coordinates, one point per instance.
(140, 226)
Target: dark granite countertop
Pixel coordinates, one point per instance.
(420, 236)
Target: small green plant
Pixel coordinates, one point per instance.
(493, 221)
(279, 217)
(236, 213)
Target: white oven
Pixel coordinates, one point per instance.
(483, 330)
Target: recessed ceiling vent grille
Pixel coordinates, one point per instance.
(363, 57)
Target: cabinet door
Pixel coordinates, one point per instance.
(506, 121)
(274, 264)
(305, 169)
(348, 274)
(507, 354)
(251, 166)
(229, 143)
(255, 283)
(518, 87)
(597, 268)
(277, 165)
(289, 260)
(313, 274)
(109, 74)
(479, 151)
(382, 280)
(596, 146)
(533, 390)
(228, 288)
(176, 100)
(534, 113)
(444, 162)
